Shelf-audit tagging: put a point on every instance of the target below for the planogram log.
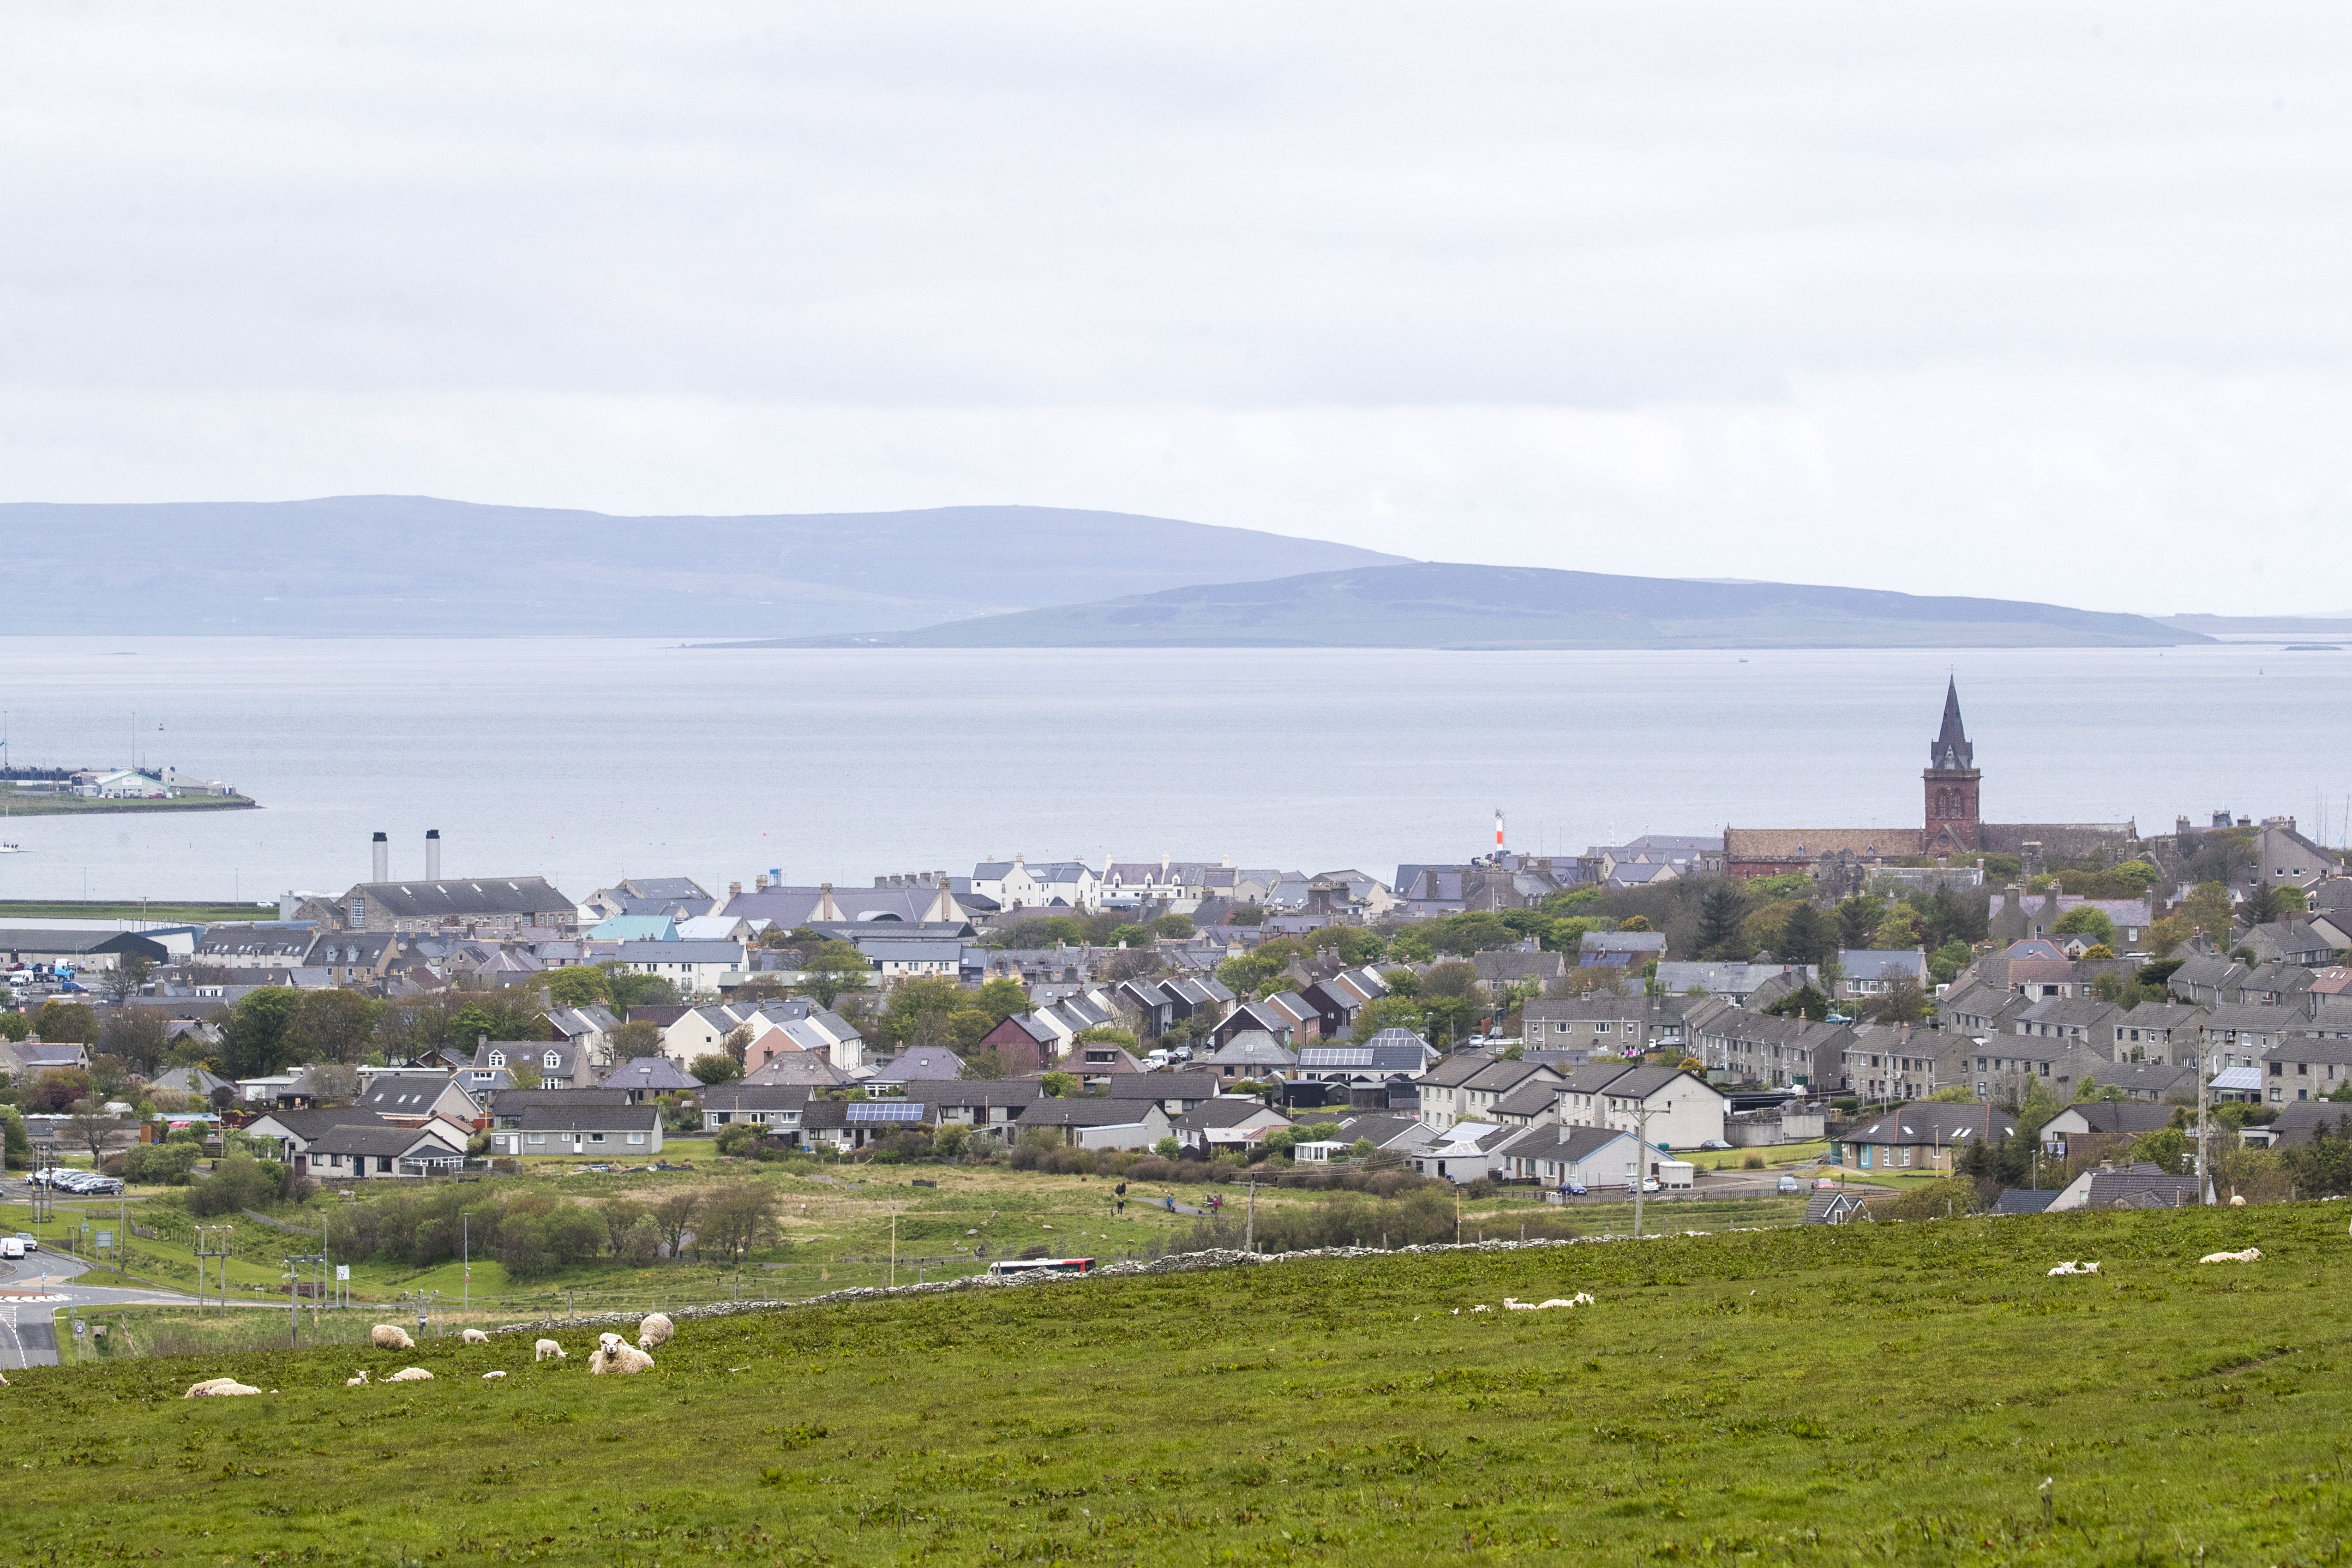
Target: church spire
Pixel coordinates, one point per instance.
(1951, 751)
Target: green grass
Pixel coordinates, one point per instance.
(1888, 1393)
(166, 913)
(20, 805)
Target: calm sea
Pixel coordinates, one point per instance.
(588, 760)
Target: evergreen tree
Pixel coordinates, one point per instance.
(1807, 938)
(1719, 914)
(1857, 917)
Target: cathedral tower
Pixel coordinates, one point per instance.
(1952, 779)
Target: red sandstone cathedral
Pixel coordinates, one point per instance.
(1953, 826)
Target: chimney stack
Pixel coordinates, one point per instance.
(431, 854)
(760, 882)
(383, 860)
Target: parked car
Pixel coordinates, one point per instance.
(1824, 1184)
(1713, 1143)
(1573, 1189)
(1650, 1184)
(1790, 1184)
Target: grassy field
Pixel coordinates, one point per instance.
(165, 913)
(1916, 1394)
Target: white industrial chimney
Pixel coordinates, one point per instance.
(1498, 830)
(383, 847)
(431, 854)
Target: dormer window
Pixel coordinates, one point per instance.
(554, 1061)
(498, 1059)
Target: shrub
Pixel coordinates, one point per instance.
(1752, 1160)
(738, 1137)
(159, 1164)
(239, 1181)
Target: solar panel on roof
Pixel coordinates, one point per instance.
(1336, 1057)
(874, 1110)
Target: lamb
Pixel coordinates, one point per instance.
(410, 1374)
(654, 1332)
(475, 1337)
(359, 1382)
(546, 1348)
(2251, 1255)
(391, 1337)
(617, 1356)
(218, 1388)
(492, 1376)
(2072, 1267)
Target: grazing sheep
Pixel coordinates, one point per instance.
(410, 1374)
(546, 1348)
(359, 1382)
(2237, 1200)
(218, 1388)
(492, 1376)
(391, 1337)
(2251, 1255)
(654, 1332)
(616, 1355)
(3, 1383)
(475, 1337)
(2070, 1266)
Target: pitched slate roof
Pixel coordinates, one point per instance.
(1934, 1121)
(466, 896)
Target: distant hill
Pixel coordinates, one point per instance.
(417, 566)
(1434, 604)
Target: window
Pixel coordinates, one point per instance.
(595, 1137)
(498, 1059)
(539, 1138)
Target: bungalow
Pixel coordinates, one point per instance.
(990, 1105)
(1092, 1124)
(353, 1153)
(508, 1106)
(1734, 982)
(1464, 1152)
(2141, 1186)
(845, 1126)
(1391, 1053)
(295, 1130)
(1230, 1121)
(775, 1106)
(581, 1132)
(1173, 1092)
(1927, 1135)
(1559, 1157)
(412, 1098)
(918, 1064)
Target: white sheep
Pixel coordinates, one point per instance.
(546, 1348)
(410, 1374)
(2072, 1267)
(359, 1382)
(616, 1355)
(475, 1337)
(492, 1376)
(654, 1331)
(391, 1337)
(1579, 1300)
(218, 1388)
(2251, 1255)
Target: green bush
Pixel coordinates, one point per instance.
(160, 1164)
(239, 1181)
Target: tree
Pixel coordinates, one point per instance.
(332, 1081)
(16, 1148)
(1805, 1001)
(91, 1127)
(123, 981)
(1176, 928)
(253, 1033)
(1904, 1002)
(2272, 902)
(332, 1026)
(967, 1026)
(55, 1091)
(715, 1068)
(917, 1010)
(736, 1221)
(1387, 1012)
(1058, 1085)
(2209, 909)
(1898, 930)
(135, 1035)
(15, 1026)
(1807, 938)
(637, 1038)
(65, 1022)
(835, 967)
(630, 989)
(1720, 911)
(1953, 1094)
(1635, 922)
(2169, 932)
(671, 1213)
(2085, 920)
(738, 1046)
(1857, 919)
(577, 985)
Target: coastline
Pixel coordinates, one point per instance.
(79, 805)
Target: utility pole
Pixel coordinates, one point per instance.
(1642, 1161)
(2204, 1180)
(466, 1254)
(1249, 1221)
(894, 1245)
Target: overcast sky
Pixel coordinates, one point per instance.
(2039, 301)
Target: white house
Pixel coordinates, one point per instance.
(1557, 1156)
(1684, 1111)
(696, 968)
(1465, 1152)
(1047, 887)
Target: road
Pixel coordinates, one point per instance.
(33, 1288)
